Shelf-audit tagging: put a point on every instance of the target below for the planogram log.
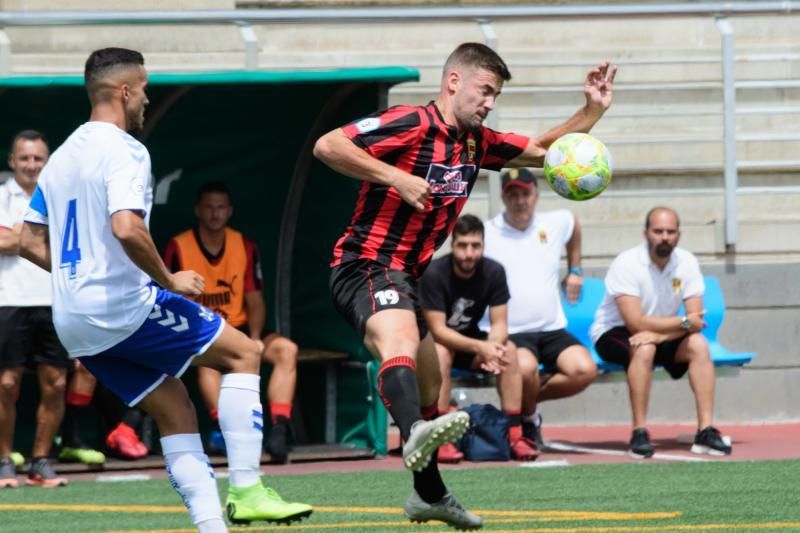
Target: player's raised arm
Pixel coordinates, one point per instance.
(598, 88)
(129, 228)
(34, 244)
(339, 152)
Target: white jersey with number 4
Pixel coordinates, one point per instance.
(99, 296)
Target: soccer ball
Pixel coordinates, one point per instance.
(577, 166)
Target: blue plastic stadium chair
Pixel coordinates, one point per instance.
(580, 316)
(714, 303)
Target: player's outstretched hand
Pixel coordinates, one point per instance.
(599, 87)
(414, 191)
(187, 283)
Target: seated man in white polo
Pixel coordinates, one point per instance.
(529, 244)
(637, 326)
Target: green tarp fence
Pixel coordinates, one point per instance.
(254, 131)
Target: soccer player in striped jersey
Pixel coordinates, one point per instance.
(418, 165)
(88, 223)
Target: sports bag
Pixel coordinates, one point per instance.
(487, 436)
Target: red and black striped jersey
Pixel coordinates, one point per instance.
(416, 139)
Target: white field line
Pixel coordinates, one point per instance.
(563, 447)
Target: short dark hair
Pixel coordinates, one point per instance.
(467, 224)
(28, 135)
(479, 56)
(660, 208)
(212, 187)
(101, 61)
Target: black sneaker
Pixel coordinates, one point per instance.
(640, 444)
(709, 441)
(278, 445)
(533, 431)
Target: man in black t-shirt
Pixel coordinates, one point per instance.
(455, 292)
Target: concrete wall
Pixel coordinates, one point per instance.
(763, 302)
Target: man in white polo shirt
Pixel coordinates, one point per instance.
(637, 326)
(529, 245)
(27, 335)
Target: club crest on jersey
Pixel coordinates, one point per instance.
(677, 285)
(450, 181)
(368, 124)
(471, 150)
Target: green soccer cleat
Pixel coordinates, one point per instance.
(17, 458)
(260, 503)
(86, 456)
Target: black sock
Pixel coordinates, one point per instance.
(514, 418)
(70, 426)
(428, 483)
(108, 408)
(397, 385)
(133, 417)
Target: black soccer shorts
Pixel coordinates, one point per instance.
(362, 288)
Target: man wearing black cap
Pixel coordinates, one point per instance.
(529, 246)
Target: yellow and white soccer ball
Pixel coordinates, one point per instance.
(577, 166)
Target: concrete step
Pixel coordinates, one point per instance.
(768, 218)
(771, 395)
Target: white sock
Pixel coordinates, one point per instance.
(214, 525)
(241, 420)
(193, 478)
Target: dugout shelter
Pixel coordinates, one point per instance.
(255, 131)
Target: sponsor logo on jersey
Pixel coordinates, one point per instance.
(450, 181)
(368, 124)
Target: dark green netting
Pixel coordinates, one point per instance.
(253, 130)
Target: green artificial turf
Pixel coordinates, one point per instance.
(713, 496)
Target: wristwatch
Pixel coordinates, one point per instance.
(686, 323)
(578, 271)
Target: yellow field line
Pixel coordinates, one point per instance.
(576, 515)
(515, 517)
(93, 508)
(611, 529)
(638, 529)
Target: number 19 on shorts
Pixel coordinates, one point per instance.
(70, 251)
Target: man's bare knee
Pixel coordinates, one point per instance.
(644, 353)
(9, 385)
(281, 352)
(697, 347)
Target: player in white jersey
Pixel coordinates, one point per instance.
(116, 305)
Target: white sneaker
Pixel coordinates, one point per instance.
(427, 435)
(446, 510)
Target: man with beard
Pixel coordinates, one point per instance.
(637, 326)
(455, 292)
(418, 165)
(119, 310)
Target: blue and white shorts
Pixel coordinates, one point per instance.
(176, 331)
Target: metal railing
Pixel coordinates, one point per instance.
(482, 15)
